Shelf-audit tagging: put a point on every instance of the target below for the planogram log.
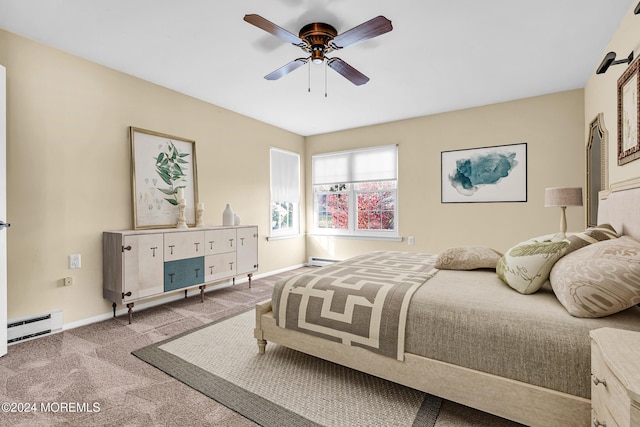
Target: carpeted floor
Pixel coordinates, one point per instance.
(88, 377)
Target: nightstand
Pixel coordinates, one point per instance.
(615, 377)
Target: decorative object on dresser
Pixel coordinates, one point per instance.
(615, 374)
(228, 215)
(161, 165)
(182, 222)
(487, 174)
(563, 197)
(138, 264)
(200, 215)
(628, 114)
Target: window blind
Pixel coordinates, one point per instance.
(285, 176)
(369, 164)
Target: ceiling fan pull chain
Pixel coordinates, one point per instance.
(309, 78)
(325, 78)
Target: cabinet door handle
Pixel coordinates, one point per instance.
(231, 265)
(211, 267)
(197, 272)
(597, 380)
(128, 294)
(171, 247)
(171, 277)
(197, 246)
(126, 248)
(242, 241)
(154, 251)
(211, 242)
(231, 243)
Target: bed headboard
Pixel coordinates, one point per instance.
(620, 207)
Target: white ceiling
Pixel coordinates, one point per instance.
(441, 55)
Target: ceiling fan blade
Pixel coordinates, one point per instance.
(347, 71)
(272, 28)
(368, 30)
(286, 69)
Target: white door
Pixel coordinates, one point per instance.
(3, 210)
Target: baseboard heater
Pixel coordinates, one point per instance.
(319, 262)
(34, 326)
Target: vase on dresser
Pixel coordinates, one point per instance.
(228, 215)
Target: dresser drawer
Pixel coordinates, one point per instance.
(220, 241)
(609, 398)
(220, 266)
(183, 245)
(183, 273)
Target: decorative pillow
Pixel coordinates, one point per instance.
(468, 258)
(526, 266)
(591, 235)
(600, 279)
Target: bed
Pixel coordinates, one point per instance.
(467, 337)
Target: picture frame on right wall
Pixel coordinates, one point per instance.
(628, 113)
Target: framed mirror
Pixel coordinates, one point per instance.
(597, 144)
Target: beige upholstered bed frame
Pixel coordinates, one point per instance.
(514, 400)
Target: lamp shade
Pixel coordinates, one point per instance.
(563, 196)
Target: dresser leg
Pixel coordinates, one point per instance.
(114, 309)
(250, 276)
(130, 312)
(202, 288)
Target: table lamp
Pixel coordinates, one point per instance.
(563, 197)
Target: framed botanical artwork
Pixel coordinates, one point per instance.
(162, 168)
(628, 112)
(487, 174)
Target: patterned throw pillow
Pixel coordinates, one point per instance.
(591, 235)
(526, 266)
(468, 258)
(600, 279)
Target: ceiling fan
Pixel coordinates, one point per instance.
(319, 39)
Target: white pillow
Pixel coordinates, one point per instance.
(526, 266)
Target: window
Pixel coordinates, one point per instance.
(355, 192)
(285, 193)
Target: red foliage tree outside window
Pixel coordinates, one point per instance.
(374, 210)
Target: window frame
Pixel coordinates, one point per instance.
(294, 230)
(352, 191)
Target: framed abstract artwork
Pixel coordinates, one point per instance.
(628, 112)
(162, 168)
(487, 174)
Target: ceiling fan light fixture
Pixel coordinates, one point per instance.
(317, 54)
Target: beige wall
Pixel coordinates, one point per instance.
(551, 125)
(601, 94)
(69, 179)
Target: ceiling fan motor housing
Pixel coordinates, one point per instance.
(317, 35)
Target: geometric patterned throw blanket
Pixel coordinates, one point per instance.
(362, 301)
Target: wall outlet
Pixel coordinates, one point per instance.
(68, 281)
(75, 261)
(411, 240)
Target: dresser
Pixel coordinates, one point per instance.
(139, 264)
(615, 375)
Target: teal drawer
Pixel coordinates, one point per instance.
(183, 272)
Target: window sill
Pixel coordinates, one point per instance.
(347, 236)
(284, 237)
